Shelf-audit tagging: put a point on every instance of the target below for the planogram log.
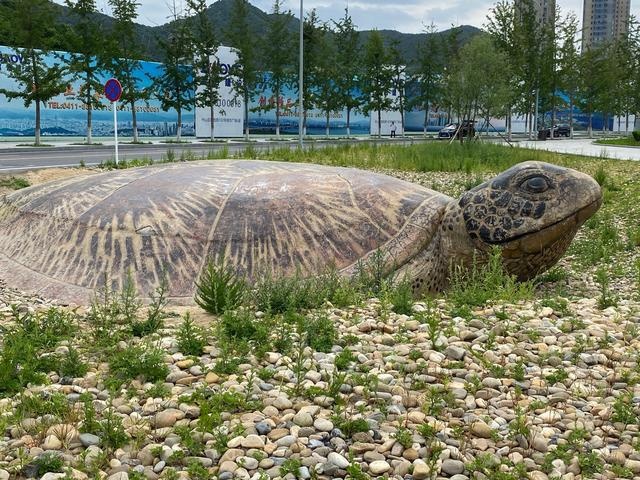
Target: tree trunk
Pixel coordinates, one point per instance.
(571, 116)
(134, 121)
(89, 111)
(278, 113)
(401, 116)
(508, 123)
(326, 126)
(89, 121)
(211, 122)
(37, 130)
(179, 129)
(426, 121)
(348, 121)
(379, 123)
(304, 123)
(246, 116)
(590, 128)
(626, 126)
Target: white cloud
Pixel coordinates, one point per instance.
(408, 16)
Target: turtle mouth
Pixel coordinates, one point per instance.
(533, 242)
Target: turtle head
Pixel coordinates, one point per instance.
(532, 212)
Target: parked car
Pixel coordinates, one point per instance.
(561, 130)
(467, 130)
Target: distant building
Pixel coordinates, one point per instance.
(545, 10)
(604, 20)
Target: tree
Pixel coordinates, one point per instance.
(568, 64)
(398, 66)
(477, 82)
(122, 56)
(347, 77)
(245, 72)
(428, 76)
(175, 86)
(378, 77)
(592, 81)
(37, 82)
(206, 67)
(516, 31)
(84, 42)
(311, 33)
(326, 94)
(278, 59)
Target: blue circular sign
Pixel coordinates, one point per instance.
(113, 90)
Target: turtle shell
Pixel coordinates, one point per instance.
(69, 238)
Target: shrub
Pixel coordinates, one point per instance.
(111, 430)
(25, 356)
(283, 294)
(141, 360)
(402, 297)
(48, 462)
(71, 365)
(155, 314)
(191, 337)
(219, 288)
(113, 312)
(636, 135)
(321, 333)
(371, 274)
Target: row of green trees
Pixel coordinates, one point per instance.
(524, 65)
(519, 66)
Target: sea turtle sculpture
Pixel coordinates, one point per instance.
(62, 239)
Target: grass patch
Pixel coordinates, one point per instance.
(28, 345)
(422, 157)
(14, 183)
(625, 142)
(487, 282)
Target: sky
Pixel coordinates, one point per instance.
(408, 16)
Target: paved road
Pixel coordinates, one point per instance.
(18, 159)
(30, 158)
(25, 158)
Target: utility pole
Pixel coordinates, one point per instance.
(300, 80)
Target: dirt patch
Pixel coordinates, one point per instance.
(36, 177)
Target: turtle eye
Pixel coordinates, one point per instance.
(535, 184)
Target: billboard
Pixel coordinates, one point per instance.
(262, 114)
(65, 114)
(389, 119)
(228, 115)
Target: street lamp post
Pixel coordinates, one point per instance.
(300, 80)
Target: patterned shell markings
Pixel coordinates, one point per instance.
(64, 238)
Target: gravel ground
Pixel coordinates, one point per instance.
(539, 389)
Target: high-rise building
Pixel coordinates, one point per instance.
(604, 20)
(545, 9)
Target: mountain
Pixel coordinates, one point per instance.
(219, 14)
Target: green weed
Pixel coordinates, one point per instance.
(219, 288)
(486, 282)
(191, 337)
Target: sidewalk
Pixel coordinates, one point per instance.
(583, 146)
